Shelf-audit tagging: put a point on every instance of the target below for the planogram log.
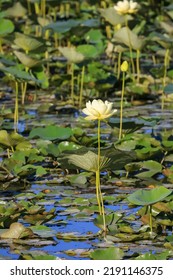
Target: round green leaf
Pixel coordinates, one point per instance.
(6, 27)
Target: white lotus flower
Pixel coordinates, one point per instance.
(98, 110)
(133, 7)
(126, 7)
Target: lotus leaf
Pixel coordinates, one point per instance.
(88, 161)
(62, 26)
(111, 16)
(26, 42)
(88, 51)
(18, 74)
(26, 60)
(168, 89)
(150, 256)
(129, 38)
(16, 230)
(41, 75)
(6, 27)
(71, 54)
(149, 197)
(17, 10)
(51, 133)
(5, 138)
(111, 253)
(112, 221)
(154, 167)
(93, 36)
(38, 219)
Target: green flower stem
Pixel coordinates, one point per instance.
(81, 87)
(72, 82)
(1, 48)
(137, 65)
(151, 222)
(43, 8)
(108, 32)
(5, 169)
(98, 135)
(56, 40)
(121, 107)
(37, 9)
(16, 110)
(98, 190)
(119, 65)
(166, 64)
(98, 187)
(29, 7)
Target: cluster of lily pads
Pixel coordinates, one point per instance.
(53, 59)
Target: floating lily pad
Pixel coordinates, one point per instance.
(111, 253)
(17, 230)
(51, 133)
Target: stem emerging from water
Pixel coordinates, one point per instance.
(98, 187)
(16, 110)
(81, 87)
(151, 222)
(121, 107)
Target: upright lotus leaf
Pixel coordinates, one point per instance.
(40, 73)
(88, 161)
(16, 230)
(167, 27)
(148, 197)
(111, 158)
(6, 27)
(118, 159)
(111, 220)
(23, 146)
(51, 133)
(40, 218)
(44, 21)
(9, 213)
(111, 16)
(71, 54)
(16, 11)
(129, 38)
(26, 60)
(153, 167)
(17, 74)
(5, 138)
(29, 169)
(111, 253)
(26, 42)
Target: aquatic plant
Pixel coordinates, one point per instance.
(99, 110)
(148, 198)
